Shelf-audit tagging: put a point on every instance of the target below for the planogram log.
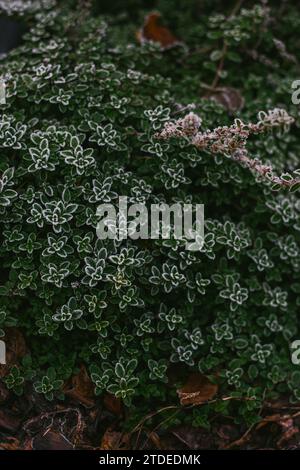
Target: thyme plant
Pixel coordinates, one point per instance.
(87, 118)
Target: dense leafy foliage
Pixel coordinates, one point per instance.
(85, 102)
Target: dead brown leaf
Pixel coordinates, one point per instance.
(9, 421)
(197, 390)
(51, 440)
(230, 98)
(155, 440)
(153, 31)
(113, 404)
(81, 388)
(194, 438)
(11, 444)
(113, 440)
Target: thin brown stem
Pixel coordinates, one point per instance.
(220, 67)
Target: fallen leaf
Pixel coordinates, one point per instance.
(113, 440)
(153, 31)
(230, 98)
(9, 421)
(113, 404)
(154, 438)
(81, 388)
(194, 438)
(11, 444)
(51, 440)
(197, 390)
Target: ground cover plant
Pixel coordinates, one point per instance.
(192, 105)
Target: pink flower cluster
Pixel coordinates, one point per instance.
(231, 140)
